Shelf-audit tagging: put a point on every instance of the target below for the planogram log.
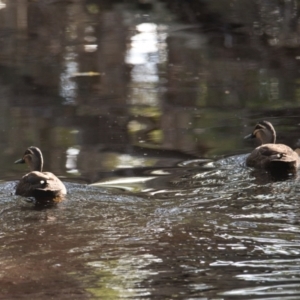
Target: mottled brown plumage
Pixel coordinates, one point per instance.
(36, 183)
(270, 155)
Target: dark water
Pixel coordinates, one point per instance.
(141, 108)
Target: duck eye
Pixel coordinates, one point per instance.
(27, 157)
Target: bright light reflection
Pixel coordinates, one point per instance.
(71, 162)
(90, 48)
(146, 27)
(2, 5)
(128, 161)
(131, 184)
(147, 50)
(68, 87)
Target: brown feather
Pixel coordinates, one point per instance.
(36, 183)
(270, 155)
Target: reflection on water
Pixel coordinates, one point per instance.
(146, 105)
(186, 227)
(147, 51)
(71, 161)
(68, 86)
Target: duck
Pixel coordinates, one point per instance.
(36, 183)
(269, 155)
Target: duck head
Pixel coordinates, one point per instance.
(264, 132)
(33, 158)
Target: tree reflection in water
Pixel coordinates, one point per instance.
(152, 99)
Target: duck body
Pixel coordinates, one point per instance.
(38, 184)
(271, 156)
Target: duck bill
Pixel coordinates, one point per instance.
(249, 136)
(20, 161)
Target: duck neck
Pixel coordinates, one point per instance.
(266, 137)
(38, 165)
(37, 161)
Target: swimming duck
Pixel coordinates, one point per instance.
(36, 183)
(271, 156)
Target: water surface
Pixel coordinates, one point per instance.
(141, 109)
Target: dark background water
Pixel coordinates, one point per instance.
(150, 99)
